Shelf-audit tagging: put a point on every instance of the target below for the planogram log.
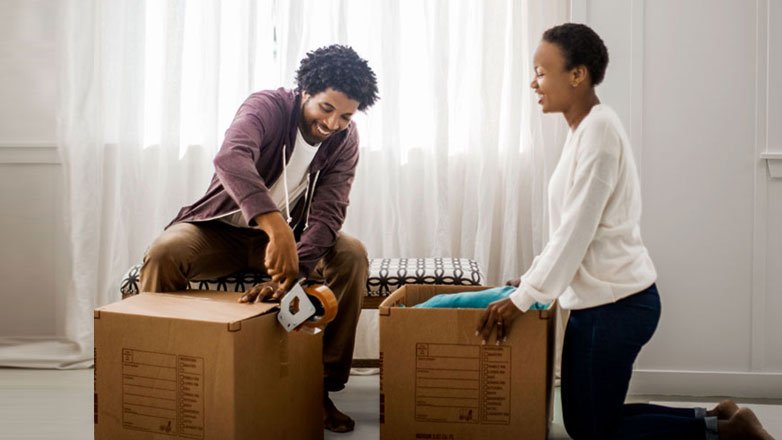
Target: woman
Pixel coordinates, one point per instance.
(596, 265)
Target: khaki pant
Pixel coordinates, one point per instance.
(206, 250)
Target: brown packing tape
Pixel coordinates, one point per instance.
(327, 300)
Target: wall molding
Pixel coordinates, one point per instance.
(774, 162)
(637, 36)
(22, 153)
(707, 383)
(768, 13)
(757, 341)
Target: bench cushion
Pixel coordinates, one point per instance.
(385, 276)
(388, 274)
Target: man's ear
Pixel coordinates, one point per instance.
(578, 75)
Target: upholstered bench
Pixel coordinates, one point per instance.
(385, 276)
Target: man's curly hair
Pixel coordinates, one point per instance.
(580, 45)
(340, 68)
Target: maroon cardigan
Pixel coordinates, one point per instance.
(250, 161)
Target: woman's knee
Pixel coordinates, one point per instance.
(578, 430)
(585, 417)
(587, 429)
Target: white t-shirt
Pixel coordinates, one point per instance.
(595, 255)
(296, 171)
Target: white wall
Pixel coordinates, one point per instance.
(689, 79)
(31, 228)
(28, 75)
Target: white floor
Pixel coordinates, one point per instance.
(46, 404)
(57, 405)
(360, 401)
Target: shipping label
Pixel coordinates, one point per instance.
(462, 383)
(163, 393)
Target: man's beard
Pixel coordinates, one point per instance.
(305, 126)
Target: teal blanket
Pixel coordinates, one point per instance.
(479, 299)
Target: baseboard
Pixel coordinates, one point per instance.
(28, 153)
(706, 383)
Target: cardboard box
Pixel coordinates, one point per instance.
(198, 365)
(438, 382)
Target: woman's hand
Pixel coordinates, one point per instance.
(500, 315)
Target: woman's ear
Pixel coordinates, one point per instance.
(578, 75)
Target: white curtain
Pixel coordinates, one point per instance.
(455, 157)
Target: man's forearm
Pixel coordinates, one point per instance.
(272, 224)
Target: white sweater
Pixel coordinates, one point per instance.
(594, 255)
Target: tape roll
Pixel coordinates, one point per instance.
(325, 302)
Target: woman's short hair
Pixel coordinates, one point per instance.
(580, 45)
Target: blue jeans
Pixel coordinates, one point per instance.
(601, 344)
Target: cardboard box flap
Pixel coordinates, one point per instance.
(412, 294)
(217, 307)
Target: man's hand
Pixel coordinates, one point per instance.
(514, 283)
(500, 315)
(259, 292)
(281, 261)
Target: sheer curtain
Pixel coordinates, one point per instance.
(455, 157)
(147, 90)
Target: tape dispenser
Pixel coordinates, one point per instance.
(307, 307)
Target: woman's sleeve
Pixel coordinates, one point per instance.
(597, 167)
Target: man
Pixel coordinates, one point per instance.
(277, 201)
